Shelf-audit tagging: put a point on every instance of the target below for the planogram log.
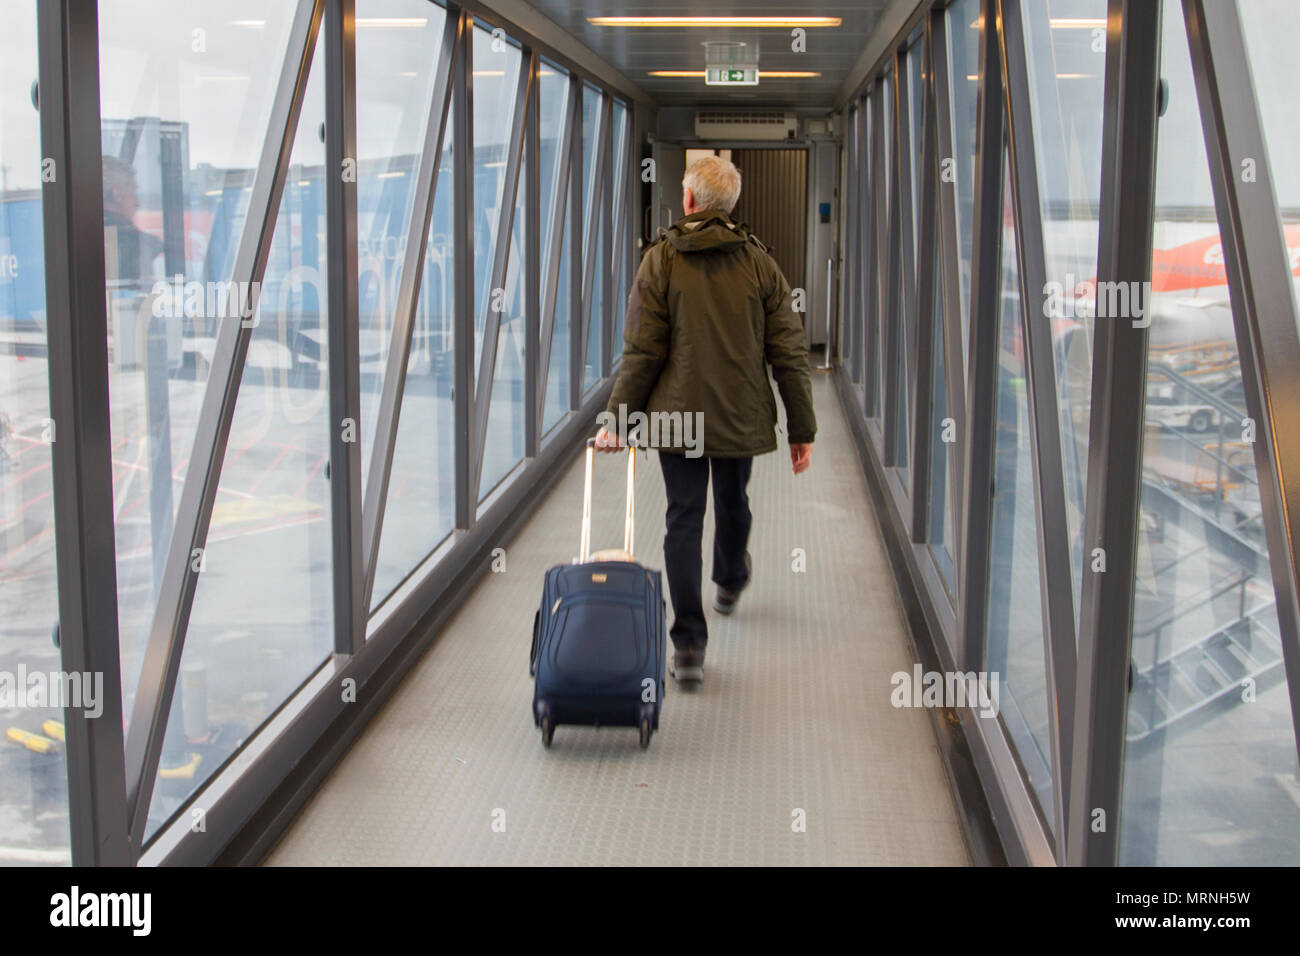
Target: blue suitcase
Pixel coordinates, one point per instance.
(599, 636)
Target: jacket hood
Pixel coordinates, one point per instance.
(706, 232)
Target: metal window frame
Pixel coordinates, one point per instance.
(928, 254)
(1056, 587)
(595, 212)
(1116, 433)
(72, 209)
(618, 234)
(864, 291)
(577, 256)
(631, 177)
(532, 291)
(1025, 839)
(463, 332)
(981, 378)
(348, 550)
(849, 278)
(950, 274)
(899, 297)
(879, 270)
(605, 248)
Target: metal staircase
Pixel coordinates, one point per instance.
(1223, 662)
(1171, 679)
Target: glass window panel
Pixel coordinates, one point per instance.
(915, 105)
(1067, 90)
(505, 442)
(421, 504)
(557, 381)
(941, 463)
(268, 550)
(182, 134)
(907, 300)
(876, 380)
(590, 114)
(396, 72)
(1209, 776)
(553, 90)
(1015, 619)
(591, 370)
(963, 78)
(623, 165)
(866, 296)
(33, 779)
(591, 139)
(899, 405)
(496, 77)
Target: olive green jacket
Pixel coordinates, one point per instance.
(708, 311)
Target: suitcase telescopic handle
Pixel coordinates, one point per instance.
(629, 512)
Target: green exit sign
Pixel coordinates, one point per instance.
(731, 76)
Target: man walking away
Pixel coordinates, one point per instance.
(709, 310)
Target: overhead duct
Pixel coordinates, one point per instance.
(746, 125)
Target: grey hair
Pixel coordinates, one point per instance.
(714, 182)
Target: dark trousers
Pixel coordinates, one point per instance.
(687, 483)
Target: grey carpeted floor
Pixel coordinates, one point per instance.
(793, 724)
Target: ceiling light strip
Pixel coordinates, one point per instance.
(785, 22)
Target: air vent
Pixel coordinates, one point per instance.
(749, 124)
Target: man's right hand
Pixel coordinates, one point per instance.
(800, 456)
(608, 441)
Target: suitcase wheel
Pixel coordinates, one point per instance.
(548, 731)
(646, 732)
